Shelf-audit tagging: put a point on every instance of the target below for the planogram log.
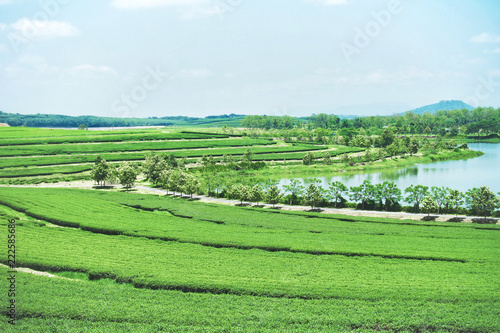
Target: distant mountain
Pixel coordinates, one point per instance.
(442, 106)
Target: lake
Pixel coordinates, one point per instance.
(456, 174)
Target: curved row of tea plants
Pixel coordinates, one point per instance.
(48, 304)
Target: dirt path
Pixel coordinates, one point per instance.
(31, 271)
(88, 185)
(342, 211)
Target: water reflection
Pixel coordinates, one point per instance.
(458, 174)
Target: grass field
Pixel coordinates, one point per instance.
(246, 269)
(27, 154)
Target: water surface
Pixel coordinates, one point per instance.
(456, 174)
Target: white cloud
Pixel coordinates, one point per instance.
(197, 12)
(329, 2)
(495, 51)
(185, 9)
(3, 48)
(194, 73)
(132, 4)
(43, 29)
(494, 72)
(91, 70)
(404, 76)
(485, 38)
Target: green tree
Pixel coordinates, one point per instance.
(363, 193)
(191, 185)
(112, 174)
(308, 159)
(454, 200)
(83, 127)
(439, 195)
(483, 201)
(388, 192)
(429, 205)
(312, 195)
(387, 137)
(165, 178)
(295, 189)
(273, 195)
(327, 159)
(127, 174)
(171, 161)
(255, 193)
(248, 156)
(416, 194)
(153, 166)
(99, 172)
(227, 159)
(335, 192)
(176, 181)
(414, 146)
(241, 192)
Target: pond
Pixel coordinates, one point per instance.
(456, 174)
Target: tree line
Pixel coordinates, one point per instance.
(164, 172)
(479, 120)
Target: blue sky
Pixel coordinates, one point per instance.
(141, 58)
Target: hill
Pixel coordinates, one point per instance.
(62, 121)
(443, 106)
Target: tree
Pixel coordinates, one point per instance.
(127, 174)
(182, 163)
(429, 205)
(335, 192)
(191, 185)
(248, 156)
(112, 174)
(363, 193)
(327, 158)
(255, 193)
(220, 184)
(439, 195)
(273, 195)
(153, 166)
(413, 148)
(165, 178)
(308, 159)
(295, 189)
(312, 195)
(227, 159)
(176, 181)
(387, 137)
(454, 200)
(171, 161)
(483, 201)
(99, 172)
(242, 192)
(416, 194)
(83, 127)
(389, 192)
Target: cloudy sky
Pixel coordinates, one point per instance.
(141, 58)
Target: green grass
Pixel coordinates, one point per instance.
(263, 152)
(109, 138)
(44, 171)
(246, 269)
(127, 146)
(46, 305)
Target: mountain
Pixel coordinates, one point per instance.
(442, 106)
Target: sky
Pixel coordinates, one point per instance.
(157, 58)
